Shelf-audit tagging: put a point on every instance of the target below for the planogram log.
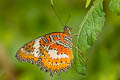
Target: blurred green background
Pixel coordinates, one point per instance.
(24, 20)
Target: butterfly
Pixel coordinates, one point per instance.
(51, 52)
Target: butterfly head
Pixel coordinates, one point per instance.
(67, 30)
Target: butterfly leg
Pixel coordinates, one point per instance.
(83, 58)
(79, 35)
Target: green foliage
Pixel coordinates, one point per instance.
(115, 6)
(25, 20)
(91, 26)
(87, 3)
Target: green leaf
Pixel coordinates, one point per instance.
(87, 3)
(115, 6)
(91, 25)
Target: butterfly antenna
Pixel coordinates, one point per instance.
(67, 19)
(56, 13)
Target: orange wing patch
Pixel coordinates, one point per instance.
(21, 56)
(55, 65)
(29, 47)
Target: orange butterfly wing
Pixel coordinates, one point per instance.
(52, 52)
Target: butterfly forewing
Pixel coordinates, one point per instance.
(52, 52)
(30, 52)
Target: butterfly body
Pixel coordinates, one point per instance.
(51, 52)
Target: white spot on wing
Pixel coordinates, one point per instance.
(36, 46)
(22, 50)
(53, 54)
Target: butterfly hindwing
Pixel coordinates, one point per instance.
(58, 55)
